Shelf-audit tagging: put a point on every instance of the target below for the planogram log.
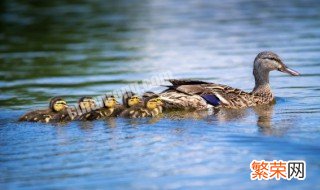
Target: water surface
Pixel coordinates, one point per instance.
(71, 49)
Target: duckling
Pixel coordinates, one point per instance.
(107, 111)
(152, 97)
(55, 112)
(85, 105)
(129, 99)
(151, 107)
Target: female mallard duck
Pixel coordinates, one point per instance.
(109, 103)
(55, 113)
(151, 107)
(198, 95)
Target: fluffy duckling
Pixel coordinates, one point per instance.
(110, 104)
(85, 105)
(129, 99)
(55, 113)
(151, 107)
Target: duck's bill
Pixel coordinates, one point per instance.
(290, 71)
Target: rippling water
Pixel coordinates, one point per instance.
(71, 49)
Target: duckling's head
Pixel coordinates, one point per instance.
(130, 99)
(268, 61)
(110, 102)
(86, 102)
(57, 104)
(153, 102)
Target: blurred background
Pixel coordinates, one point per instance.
(73, 48)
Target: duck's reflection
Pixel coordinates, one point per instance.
(224, 115)
(265, 123)
(263, 115)
(111, 122)
(86, 125)
(197, 115)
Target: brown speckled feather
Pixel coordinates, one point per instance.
(186, 94)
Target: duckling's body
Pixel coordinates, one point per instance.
(135, 112)
(118, 109)
(55, 113)
(97, 114)
(110, 106)
(86, 105)
(151, 107)
(199, 95)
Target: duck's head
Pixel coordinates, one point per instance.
(153, 102)
(268, 61)
(86, 102)
(130, 99)
(110, 102)
(57, 104)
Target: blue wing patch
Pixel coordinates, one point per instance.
(211, 99)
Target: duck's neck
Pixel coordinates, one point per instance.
(261, 82)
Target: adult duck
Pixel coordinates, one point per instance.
(199, 95)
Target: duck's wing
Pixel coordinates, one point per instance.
(217, 95)
(228, 97)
